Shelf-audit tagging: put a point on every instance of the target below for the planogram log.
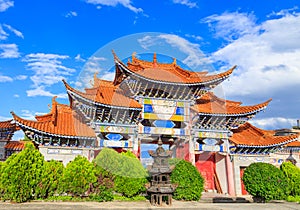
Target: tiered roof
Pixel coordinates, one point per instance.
(8, 124)
(248, 135)
(167, 72)
(106, 93)
(61, 121)
(15, 145)
(210, 104)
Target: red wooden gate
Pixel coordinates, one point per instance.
(206, 164)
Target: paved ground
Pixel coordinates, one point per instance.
(177, 205)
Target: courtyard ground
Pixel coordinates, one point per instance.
(178, 205)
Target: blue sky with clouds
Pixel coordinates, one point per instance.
(44, 41)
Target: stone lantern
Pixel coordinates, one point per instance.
(160, 189)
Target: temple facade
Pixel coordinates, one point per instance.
(7, 129)
(149, 100)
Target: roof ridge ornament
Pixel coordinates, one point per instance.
(154, 60)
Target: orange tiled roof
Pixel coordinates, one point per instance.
(211, 104)
(293, 144)
(6, 124)
(15, 145)
(170, 72)
(248, 135)
(105, 92)
(62, 120)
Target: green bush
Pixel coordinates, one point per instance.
(189, 180)
(128, 174)
(293, 199)
(21, 174)
(265, 182)
(49, 183)
(292, 174)
(78, 176)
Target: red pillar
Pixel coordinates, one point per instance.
(230, 178)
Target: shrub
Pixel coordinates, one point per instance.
(51, 176)
(78, 176)
(21, 174)
(292, 174)
(128, 174)
(265, 182)
(189, 180)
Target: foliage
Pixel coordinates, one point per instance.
(292, 174)
(128, 173)
(51, 176)
(78, 176)
(189, 180)
(266, 182)
(174, 161)
(21, 175)
(293, 199)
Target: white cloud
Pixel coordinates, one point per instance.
(196, 37)
(21, 77)
(9, 51)
(48, 70)
(16, 96)
(267, 54)
(186, 3)
(195, 57)
(5, 4)
(5, 79)
(108, 76)
(39, 91)
(2, 118)
(274, 123)
(18, 135)
(114, 3)
(3, 34)
(231, 26)
(15, 31)
(71, 14)
(92, 66)
(79, 58)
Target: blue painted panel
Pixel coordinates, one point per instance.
(114, 136)
(179, 111)
(147, 129)
(148, 108)
(164, 123)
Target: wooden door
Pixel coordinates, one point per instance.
(205, 163)
(244, 191)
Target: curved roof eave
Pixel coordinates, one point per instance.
(222, 76)
(79, 94)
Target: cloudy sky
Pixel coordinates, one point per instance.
(45, 41)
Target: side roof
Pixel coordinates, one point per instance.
(104, 92)
(248, 135)
(8, 124)
(210, 104)
(61, 121)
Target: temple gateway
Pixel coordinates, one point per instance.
(150, 100)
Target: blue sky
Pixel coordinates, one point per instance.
(44, 41)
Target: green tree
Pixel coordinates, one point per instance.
(292, 174)
(128, 174)
(189, 180)
(265, 182)
(49, 183)
(21, 174)
(78, 176)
